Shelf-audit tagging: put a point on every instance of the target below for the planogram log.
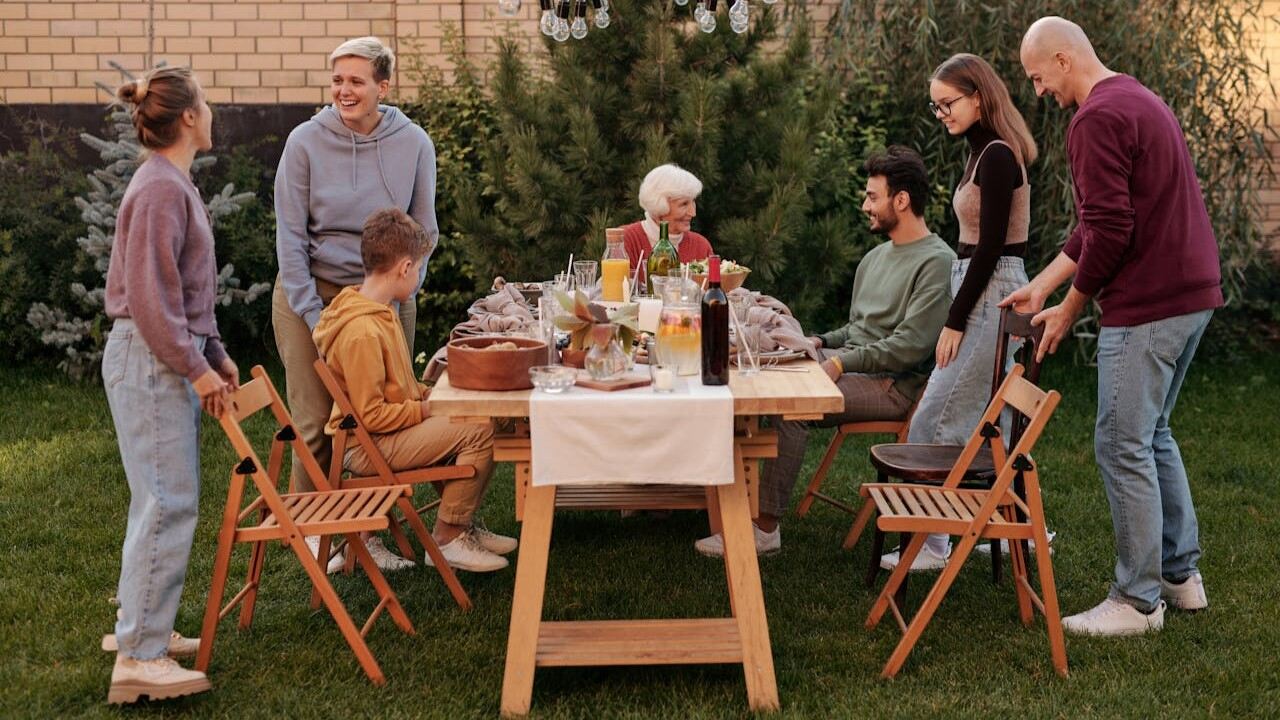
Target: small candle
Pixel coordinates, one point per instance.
(664, 378)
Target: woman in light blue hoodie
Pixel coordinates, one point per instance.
(352, 158)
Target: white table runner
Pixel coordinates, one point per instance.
(637, 436)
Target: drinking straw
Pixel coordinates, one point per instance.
(569, 270)
(635, 278)
(742, 339)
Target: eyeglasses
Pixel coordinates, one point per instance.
(944, 107)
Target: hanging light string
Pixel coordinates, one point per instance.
(563, 19)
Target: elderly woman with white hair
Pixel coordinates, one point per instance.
(351, 158)
(668, 193)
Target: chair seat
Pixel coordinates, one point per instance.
(925, 463)
(905, 507)
(329, 512)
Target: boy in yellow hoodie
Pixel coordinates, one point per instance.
(360, 336)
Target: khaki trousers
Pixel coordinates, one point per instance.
(309, 402)
(432, 442)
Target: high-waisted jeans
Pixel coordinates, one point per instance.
(157, 419)
(958, 394)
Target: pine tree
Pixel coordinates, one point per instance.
(81, 332)
(749, 114)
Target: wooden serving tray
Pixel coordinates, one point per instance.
(623, 383)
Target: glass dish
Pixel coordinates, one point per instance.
(553, 378)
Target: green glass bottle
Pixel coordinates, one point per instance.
(663, 258)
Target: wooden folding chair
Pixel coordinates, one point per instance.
(384, 476)
(997, 513)
(290, 518)
(897, 428)
(931, 463)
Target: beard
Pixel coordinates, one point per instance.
(883, 224)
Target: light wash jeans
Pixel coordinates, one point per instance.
(1140, 370)
(157, 418)
(958, 394)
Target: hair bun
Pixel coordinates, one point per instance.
(133, 92)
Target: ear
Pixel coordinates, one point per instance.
(902, 201)
(1063, 61)
(189, 117)
(383, 87)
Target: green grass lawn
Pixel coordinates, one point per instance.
(62, 514)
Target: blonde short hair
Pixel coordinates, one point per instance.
(370, 48)
(663, 183)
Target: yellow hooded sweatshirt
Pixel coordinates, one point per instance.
(364, 344)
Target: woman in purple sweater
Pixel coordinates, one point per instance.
(163, 361)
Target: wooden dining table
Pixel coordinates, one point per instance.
(742, 638)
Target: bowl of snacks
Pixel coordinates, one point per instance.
(493, 362)
(732, 275)
(553, 378)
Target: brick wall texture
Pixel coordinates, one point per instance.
(264, 51)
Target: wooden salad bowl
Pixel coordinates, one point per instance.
(473, 367)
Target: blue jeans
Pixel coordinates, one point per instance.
(157, 417)
(1140, 370)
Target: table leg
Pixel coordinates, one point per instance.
(747, 596)
(526, 602)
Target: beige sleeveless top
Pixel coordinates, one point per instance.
(967, 203)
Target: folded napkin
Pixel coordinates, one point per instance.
(591, 437)
(503, 311)
(770, 322)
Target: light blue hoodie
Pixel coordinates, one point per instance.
(329, 181)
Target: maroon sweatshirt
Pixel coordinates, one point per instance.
(1143, 243)
(162, 273)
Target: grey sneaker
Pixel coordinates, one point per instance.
(767, 543)
(1186, 595)
(465, 552)
(157, 679)
(384, 558)
(1112, 618)
(492, 541)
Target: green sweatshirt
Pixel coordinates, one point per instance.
(901, 294)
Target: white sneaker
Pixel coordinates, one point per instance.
(767, 543)
(984, 546)
(1186, 595)
(492, 541)
(335, 563)
(466, 553)
(384, 558)
(1112, 618)
(156, 679)
(925, 560)
(179, 646)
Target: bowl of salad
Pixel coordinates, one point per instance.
(732, 275)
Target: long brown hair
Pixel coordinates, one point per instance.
(159, 99)
(969, 74)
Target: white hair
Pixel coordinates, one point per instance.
(370, 48)
(663, 183)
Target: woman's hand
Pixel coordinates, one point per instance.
(948, 346)
(230, 374)
(213, 391)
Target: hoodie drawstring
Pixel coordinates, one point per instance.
(353, 161)
(377, 147)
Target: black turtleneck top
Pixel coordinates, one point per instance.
(996, 178)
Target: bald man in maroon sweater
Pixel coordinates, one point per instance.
(1143, 248)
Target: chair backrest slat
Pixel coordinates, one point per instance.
(1021, 394)
(250, 398)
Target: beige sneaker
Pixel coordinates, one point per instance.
(179, 646)
(492, 541)
(157, 679)
(465, 552)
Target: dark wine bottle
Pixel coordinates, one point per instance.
(715, 328)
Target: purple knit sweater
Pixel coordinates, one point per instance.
(162, 273)
(1143, 243)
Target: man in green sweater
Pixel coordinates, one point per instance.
(881, 359)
